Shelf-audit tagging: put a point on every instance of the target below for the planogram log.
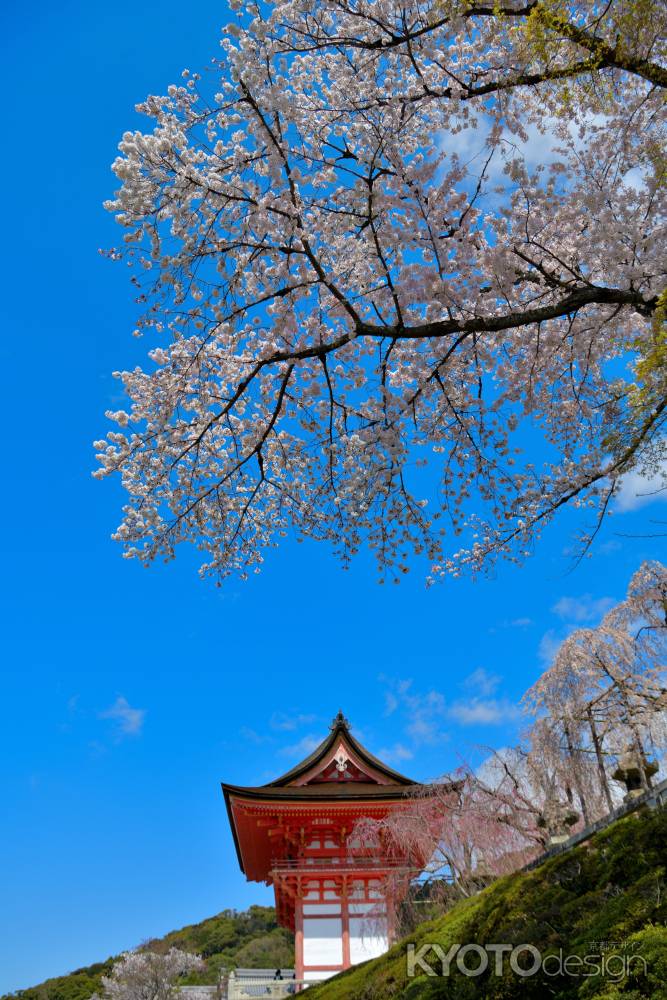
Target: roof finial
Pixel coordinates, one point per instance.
(339, 721)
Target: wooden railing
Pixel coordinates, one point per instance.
(340, 864)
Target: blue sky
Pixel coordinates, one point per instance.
(128, 694)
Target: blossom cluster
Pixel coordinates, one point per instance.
(373, 319)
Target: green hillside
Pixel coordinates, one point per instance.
(227, 940)
(605, 898)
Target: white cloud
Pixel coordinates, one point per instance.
(540, 148)
(522, 623)
(482, 682)
(637, 490)
(129, 721)
(390, 703)
(423, 730)
(585, 608)
(304, 747)
(423, 712)
(609, 547)
(484, 711)
(251, 735)
(480, 708)
(288, 721)
(395, 753)
(548, 646)
(426, 714)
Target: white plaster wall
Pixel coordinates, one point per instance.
(323, 941)
(368, 938)
(315, 977)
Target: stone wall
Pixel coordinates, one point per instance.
(654, 798)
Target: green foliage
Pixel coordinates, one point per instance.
(647, 969)
(227, 940)
(607, 897)
(655, 358)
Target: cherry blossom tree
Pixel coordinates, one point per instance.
(147, 975)
(460, 831)
(601, 704)
(606, 692)
(372, 317)
(577, 721)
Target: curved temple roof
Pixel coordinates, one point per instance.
(339, 782)
(309, 780)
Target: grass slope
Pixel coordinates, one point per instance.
(227, 940)
(612, 889)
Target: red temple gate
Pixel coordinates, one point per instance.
(296, 833)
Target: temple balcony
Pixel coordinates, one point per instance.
(341, 866)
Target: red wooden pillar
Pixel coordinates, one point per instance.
(345, 921)
(298, 936)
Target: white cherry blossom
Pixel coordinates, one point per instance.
(360, 333)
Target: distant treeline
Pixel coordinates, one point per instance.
(230, 939)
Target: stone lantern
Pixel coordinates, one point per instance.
(482, 874)
(557, 818)
(631, 763)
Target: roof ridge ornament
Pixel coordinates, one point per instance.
(339, 721)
